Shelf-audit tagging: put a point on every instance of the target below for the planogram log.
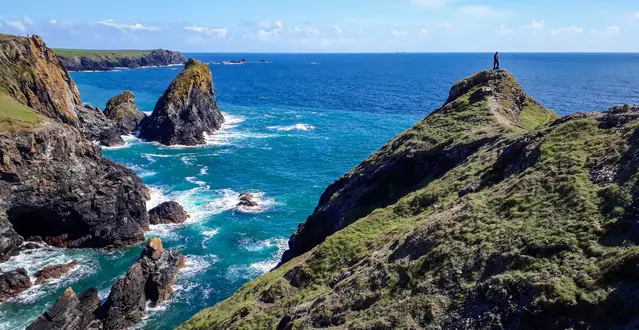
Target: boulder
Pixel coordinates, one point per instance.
(247, 200)
(97, 127)
(70, 312)
(52, 272)
(166, 213)
(187, 110)
(13, 282)
(123, 111)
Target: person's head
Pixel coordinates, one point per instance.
(496, 53)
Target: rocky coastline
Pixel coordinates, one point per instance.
(105, 62)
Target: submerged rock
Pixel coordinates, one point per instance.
(49, 273)
(187, 110)
(13, 282)
(97, 127)
(123, 111)
(168, 212)
(70, 312)
(247, 200)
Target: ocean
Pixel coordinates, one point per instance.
(293, 126)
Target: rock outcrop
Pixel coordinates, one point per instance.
(123, 111)
(97, 127)
(13, 282)
(490, 213)
(10, 241)
(31, 74)
(71, 312)
(87, 60)
(168, 213)
(187, 110)
(53, 272)
(247, 200)
(150, 279)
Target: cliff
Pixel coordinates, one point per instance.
(187, 109)
(122, 110)
(490, 213)
(105, 60)
(55, 186)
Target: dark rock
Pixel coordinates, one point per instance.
(157, 57)
(262, 61)
(187, 109)
(56, 187)
(70, 312)
(149, 279)
(49, 273)
(13, 282)
(247, 200)
(9, 240)
(168, 212)
(123, 111)
(97, 127)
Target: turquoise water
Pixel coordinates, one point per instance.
(292, 128)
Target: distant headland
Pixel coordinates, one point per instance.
(106, 60)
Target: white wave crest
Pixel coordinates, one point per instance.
(295, 127)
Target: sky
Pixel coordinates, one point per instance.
(331, 26)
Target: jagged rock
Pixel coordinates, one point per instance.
(50, 273)
(10, 241)
(168, 212)
(97, 127)
(55, 186)
(187, 109)
(157, 57)
(33, 75)
(122, 110)
(70, 312)
(248, 200)
(13, 282)
(149, 279)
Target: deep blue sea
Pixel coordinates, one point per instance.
(294, 125)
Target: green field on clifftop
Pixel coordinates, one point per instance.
(98, 54)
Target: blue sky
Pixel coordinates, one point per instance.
(331, 25)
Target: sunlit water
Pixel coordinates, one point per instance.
(292, 128)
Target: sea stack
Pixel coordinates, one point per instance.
(187, 109)
(123, 111)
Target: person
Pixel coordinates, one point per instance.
(496, 61)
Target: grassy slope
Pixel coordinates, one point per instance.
(15, 116)
(101, 54)
(540, 244)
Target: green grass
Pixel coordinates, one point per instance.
(4, 36)
(16, 117)
(101, 54)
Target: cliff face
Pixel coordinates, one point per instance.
(123, 111)
(187, 109)
(108, 60)
(471, 219)
(31, 74)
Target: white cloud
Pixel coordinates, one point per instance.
(399, 33)
(124, 27)
(482, 12)
(16, 25)
(613, 30)
(503, 30)
(568, 29)
(53, 21)
(637, 15)
(337, 29)
(430, 3)
(423, 32)
(29, 20)
(217, 32)
(536, 25)
(267, 31)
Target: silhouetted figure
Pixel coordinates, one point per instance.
(496, 61)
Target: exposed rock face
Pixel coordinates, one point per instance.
(50, 273)
(57, 187)
(491, 213)
(150, 279)
(187, 109)
(122, 110)
(168, 212)
(248, 200)
(13, 282)
(10, 241)
(32, 74)
(97, 127)
(157, 57)
(400, 165)
(70, 312)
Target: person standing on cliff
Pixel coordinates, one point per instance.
(496, 61)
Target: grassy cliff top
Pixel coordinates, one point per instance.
(534, 229)
(101, 54)
(4, 36)
(16, 117)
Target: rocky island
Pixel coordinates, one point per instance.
(105, 60)
(187, 110)
(490, 213)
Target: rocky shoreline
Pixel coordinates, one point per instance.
(98, 62)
